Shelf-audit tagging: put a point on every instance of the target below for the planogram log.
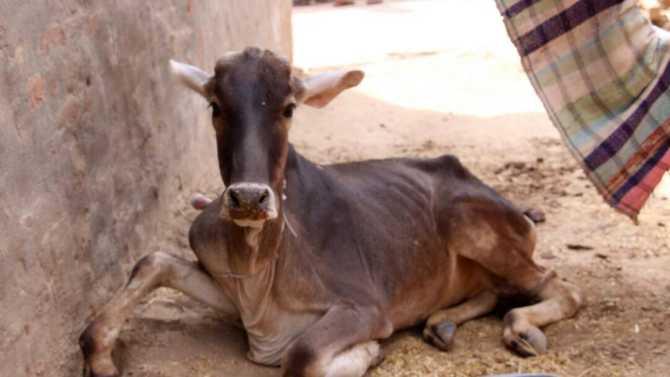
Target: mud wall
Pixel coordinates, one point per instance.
(98, 149)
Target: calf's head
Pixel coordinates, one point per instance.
(253, 95)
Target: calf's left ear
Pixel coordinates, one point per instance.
(190, 76)
(319, 90)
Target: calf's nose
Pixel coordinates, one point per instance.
(248, 196)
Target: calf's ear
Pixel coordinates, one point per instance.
(319, 90)
(190, 76)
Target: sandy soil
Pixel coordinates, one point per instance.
(442, 77)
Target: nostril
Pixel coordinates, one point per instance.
(234, 199)
(264, 197)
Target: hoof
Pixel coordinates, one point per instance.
(441, 335)
(89, 373)
(529, 342)
(96, 363)
(535, 215)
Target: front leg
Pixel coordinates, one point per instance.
(151, 272)
(340, 344)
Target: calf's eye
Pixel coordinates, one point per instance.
(216, 110)
(288, 110)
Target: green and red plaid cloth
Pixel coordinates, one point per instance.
(602, 72)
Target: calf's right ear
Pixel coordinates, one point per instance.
(190, 76)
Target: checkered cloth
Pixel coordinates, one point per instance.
(603, 73)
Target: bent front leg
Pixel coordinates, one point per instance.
(355, 361)
(340, 344)
(151, 272)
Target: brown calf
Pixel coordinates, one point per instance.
(318, 263)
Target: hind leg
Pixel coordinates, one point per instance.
(559, 300)
(502, 240)
(441, 325)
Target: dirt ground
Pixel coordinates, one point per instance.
(442, 77)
